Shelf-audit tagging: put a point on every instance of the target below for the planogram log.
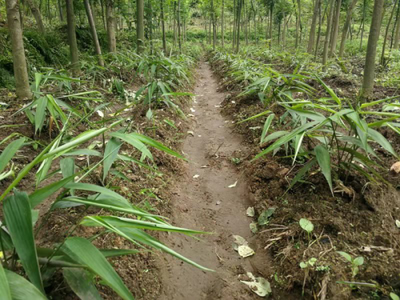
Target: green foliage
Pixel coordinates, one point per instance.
(355, 262)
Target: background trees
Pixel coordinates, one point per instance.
(325, 28)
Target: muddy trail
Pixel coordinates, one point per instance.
(203, 200)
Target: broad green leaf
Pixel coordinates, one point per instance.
(82, 251)
(286, 138)
(40, 113)
(381, 140)
(330, 91)
(18, 216)
(139, 236)
(134, 223)
(297, 145)
(135, 142)
(5, 292)
(255, 116)
(40, 195)
(324, 161)
(358, 261)
(9, 152)
(111, 154)
(67, 166)
(81, 282)
(345, 255)
(22, 289)
(306, 225)
(267, 124)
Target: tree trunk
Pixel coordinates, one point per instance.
(328, 31)
(179, 26)
(18, 52)
(93, 31)
(335, 28)
(140, 25)
(363, 23)
(234, 24)
(112, 43)
(222, 24)
(103, 15)
(369, 69)
(36, 13)
(164, 39)
(73, 46)
(386, 34)
(311, 39)
(321, 18)
(239, 12)
(60, 10)
(346, 26)
(213, 24)
(297, 25)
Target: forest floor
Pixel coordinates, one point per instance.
(207, 198)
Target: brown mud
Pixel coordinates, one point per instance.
(204, 201)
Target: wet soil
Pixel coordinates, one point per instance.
(204, 201)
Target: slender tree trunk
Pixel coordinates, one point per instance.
(164, 39)
(175, 27)
(222, 24)
(37, 15)
(60, 10)
(140, 25)
(234, 23)
(213, 24)
(179, 27)
(369, 69)
(335, 29)
(18, 51)
(321, 18)
(271, 10)
(328, 31)
(112, 42)
(363, 23)
(103, 15)
(297, 26)
(386, 34)
(311, 39)
(239, 12)
(73, 46)
(93, 31)
(346, 26)
(246, 23)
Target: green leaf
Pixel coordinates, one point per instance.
(9, 152)
(359, 261)
(267, 124)
(135, 142)
(393, 296)
(18, 216)
(5, 292)
(255, 116)
(324, 161)
(345, 255)
(22, 289)
(306, 225)
(381, 140)
(330, 91)
(40, 113)
(82, 251)
(264, 217)
(301, 172)
(81, 282)
(286, 138)
(40, 195)
(111, 154)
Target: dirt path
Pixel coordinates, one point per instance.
(208, 204)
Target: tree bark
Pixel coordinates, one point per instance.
(112, 42)
(73, 46)
(179, 26)
(60, 10)
(369, 69)
(18, 51)
(311, 39)
(335, 29)
(346, 26)
(222, 24)
(328, 31)
(93, 31)
(164, 39)
(363, 23)
(37, 15)
(386, 34)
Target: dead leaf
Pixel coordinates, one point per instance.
(395, 167)
(258, 285)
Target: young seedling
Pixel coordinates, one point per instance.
(307, 226)
(355, 263)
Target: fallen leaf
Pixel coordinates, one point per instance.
(398, 223)
(190, 132)
(196, 176)
(263, 219)
(192, 110)
(245, 251)
(258, 285)
(233, 185)
(253, 227)
(250, 212)
(395, 167)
